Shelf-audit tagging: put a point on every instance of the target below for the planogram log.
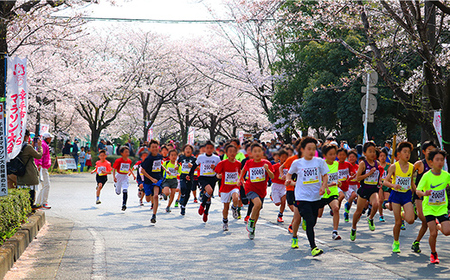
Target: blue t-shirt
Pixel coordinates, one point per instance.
(153, 166)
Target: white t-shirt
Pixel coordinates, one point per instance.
(309, 178)
(206, 162)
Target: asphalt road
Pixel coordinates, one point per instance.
(83, 240)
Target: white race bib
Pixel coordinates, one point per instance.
(332, 178)
(310, 175)
(372, 179)
(257, 174)
(156, 166)
(124, 167)
(206, 170)
(285, 172)
(231, 178)
(343, 174)
(185, 167)
(436, 198)
(404, 182)
(172, 171)
(101, 170)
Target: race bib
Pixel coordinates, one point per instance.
(437, 198)
(343, 175)
(124, 167)
(332, 178)
(172, 171)
(101, 170)
(231, 178)
(404, 182)
(257, 174)
(185, 167)
(310, 175)
(206, 169)
(372, 179)
(156, 166)
(285, 172)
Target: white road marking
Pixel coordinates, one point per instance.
(99, 260)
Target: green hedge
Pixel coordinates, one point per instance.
(14, 209)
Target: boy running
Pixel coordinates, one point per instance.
(278, 187)
(186, 184)
(400, 180)
(353, 185)
(368, 174)
(259, 171)
(170, 182)
(122, 166)
(432, 187)
(228, 171)
(102, 168)
(139, 176)
(311, 184)
(345, 174)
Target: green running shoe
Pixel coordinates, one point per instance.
(416, 247)
(304, 225)
(316, 252)
(176, 203)
(371, 224)
(396, 247)
(353, 235)
(294, 244)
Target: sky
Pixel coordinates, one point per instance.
(156, 10)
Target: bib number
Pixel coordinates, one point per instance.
(231, 178)
(101, 170)
(372, 179)
(124, 167)
(185, 168)
(437, 198)
(310, 175)
(257, 174)
(156, 166)
(404, 182)
(172, 171)
(285, 172)
(332, 178)
(206, 169)
(343, 175)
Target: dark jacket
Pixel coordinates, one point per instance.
(31, 177)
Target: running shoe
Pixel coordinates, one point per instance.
(153, 219)
(294, 244)
(141, 203)
(371, 224)
(251, 235)
(124, 207)
(290, 229)
(347, 207)
(201, 210)
(183, 211)
(396, 247)
(251, 226)
(225, 226)
(280, 220)
(384, 204)
(235, 213)
(176, 203)
(304, 224)
(382, 220)
(335, 236)
(205, 217)
(168, 209)
(346, 217)
(246, 219)
(239, 213)
(195, 200)
(98, 202)
(353, 235)
(416, 247)
(434, 258)
(46, 206)
(316, 252)
(403, 227)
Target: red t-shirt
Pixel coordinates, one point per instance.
(344, 173)
(287, 164)
(355, 169)
(122, 166)
(103, 168)
(278, 176)
(257, 177)
(230, 174)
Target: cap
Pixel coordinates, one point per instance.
(46, 135)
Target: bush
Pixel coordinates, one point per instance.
(14, 209)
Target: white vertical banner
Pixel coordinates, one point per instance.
(437, 123)
(16, 104)
(150, 134)
(3, 155)
(241, 137)
(191, 135)
(44, 128)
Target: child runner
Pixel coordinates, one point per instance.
(384, 191)
(122, 166)
(170, 182)
(332, 199)
(345, 174)
(432, 187)
(228, 171)
(353, 185)
(422, 166)
(244, 199)
(139, 175)
(207, 180)
(368, 174)
(311, 184)
(186, 160)
(400, 180)
(259, 171)
(102, 168)
(278, 187)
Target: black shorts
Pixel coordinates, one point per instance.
(308, 207)
(194, 185)
(290, 197)
(441, 219)
(101, 179)
(367, 193)
(204, 181)
(415, 196)
(328, 200)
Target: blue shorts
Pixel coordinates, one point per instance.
(148, 188)
(400, 197)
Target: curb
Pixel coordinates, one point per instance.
(13, 248)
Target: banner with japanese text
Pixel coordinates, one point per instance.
(16, 104)
(191, 135)
(150, 134)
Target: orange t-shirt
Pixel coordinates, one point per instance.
(103, 168)
(287, 165)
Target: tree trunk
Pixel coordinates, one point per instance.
(445, 117)
(410, 128)
(95, 136)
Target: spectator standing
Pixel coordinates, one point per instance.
(75, 151)
(66, 149)
(43, 164)
(30, 180)
(82, 159)
(388, 146)
(101, 145)
(109, 149)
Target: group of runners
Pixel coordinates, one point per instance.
(303, 180)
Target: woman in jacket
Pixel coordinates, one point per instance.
(30, 180)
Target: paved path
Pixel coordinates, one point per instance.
(86, 241)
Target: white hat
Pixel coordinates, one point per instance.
(46, 135)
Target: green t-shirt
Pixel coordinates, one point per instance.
(333, 177)
(436, 203)
(174, 169)
(240, 156)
